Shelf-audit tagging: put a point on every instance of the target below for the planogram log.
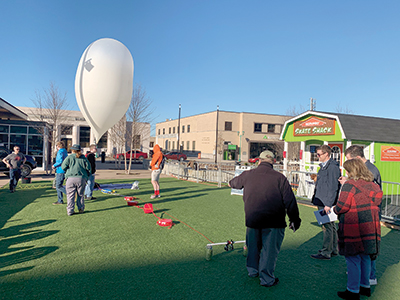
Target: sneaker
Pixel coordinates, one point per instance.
(93, 198)
(276, 281)
(81, 211)
(58, 203)
(365, 291)
(373, 281)
(320, 256)
(253, 275)
(349, 295)
(11, 191)
(153, 196)
(334, 254)
(71, 214)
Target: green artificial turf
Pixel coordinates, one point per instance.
(115, 251)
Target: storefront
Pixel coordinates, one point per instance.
(28, 135)
(379, 137)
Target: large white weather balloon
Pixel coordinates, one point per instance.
(103, 84)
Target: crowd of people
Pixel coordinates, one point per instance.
(268, 198)
(355, 199)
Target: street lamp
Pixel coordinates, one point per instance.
(179, 128)
(216, 137)
(240, 144)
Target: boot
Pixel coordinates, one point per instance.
(347, 295)
(365, 291)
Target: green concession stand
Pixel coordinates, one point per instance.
(379, 137)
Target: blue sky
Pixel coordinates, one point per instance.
(252, 56)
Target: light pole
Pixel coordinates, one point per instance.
(216, 137)
(179, 128)
(240, 144)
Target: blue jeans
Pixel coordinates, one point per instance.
(373, 269)
(15, 175)
(59, 186)
(89, 186)
(359, 270)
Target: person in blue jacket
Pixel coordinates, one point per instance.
(60, 174)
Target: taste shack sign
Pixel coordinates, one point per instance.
(314, 126)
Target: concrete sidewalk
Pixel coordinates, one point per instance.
(107, 170)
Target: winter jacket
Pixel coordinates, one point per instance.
(76, 166)
(327, 185)
(157, 158)
(267, 197)
(61, 155)
(359, 227)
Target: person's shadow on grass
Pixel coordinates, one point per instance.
(20, 234)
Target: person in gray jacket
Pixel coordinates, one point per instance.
(325, 196)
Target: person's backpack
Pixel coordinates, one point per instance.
(162, 163)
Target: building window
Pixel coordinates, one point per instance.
(194, 145)
(66, 129)
(183, 144)
(187, 145)
(169, 144)
(264, 128)
(169, 130)
(173, 144)
(188, 128)
(257, 127)
(173, 129)
(271, 128)
(159, 131)
(84, 136)
(151, 145)
(102, 143)
(183, 129)
(228, 126)
(163, 131)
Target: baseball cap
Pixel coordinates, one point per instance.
(266, 154)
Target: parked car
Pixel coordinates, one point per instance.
(26, 168)
(176, 155)
(135, 155)
(256, 159)
(253, 160)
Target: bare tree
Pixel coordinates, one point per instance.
(51, 106)
(117, 137)
(140, 115)
(343, 110)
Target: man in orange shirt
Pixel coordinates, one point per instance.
(155, 171)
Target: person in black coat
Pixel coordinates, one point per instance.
(91, 156)
(267, 197)
(325, 196)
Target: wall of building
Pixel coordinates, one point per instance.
(77, 121)
(203, 132)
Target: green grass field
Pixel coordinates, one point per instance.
(115, 251)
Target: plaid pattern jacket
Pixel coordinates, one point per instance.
(358, 212)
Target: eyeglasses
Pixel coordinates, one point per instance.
(319, 155)
(16, 149)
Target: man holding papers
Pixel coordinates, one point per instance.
(325, 196)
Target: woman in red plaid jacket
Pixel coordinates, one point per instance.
(359, 227)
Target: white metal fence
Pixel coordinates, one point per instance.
(303, 186)
(302, 183)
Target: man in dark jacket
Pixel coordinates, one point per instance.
(267, 198)
(90, 183)
(325, 196)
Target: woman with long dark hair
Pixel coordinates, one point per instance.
(359, 227)
(77, 171)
